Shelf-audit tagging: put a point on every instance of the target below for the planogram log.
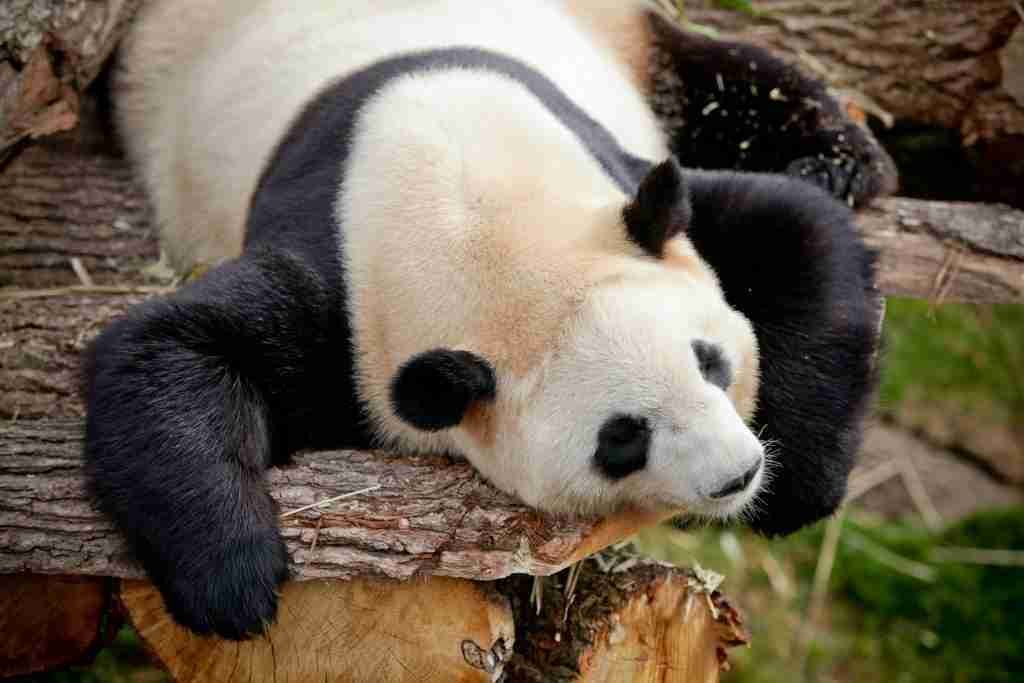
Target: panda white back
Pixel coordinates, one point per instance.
(207, 89)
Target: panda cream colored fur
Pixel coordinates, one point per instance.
(449, 227)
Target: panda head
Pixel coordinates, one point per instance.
(644, 398)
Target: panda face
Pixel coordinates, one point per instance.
(642, 403)
(600, 368)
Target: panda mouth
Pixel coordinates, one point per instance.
(735, 507)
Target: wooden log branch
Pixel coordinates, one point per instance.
(50, 50)
(429, 516)
(432, 515)
(947, 251)
(41, 342)
(623, 619)
(65, 199)
(935, 250)
(61, 202)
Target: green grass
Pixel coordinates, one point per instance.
(968, 354)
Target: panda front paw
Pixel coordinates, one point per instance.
(231, 593)
(841, 178)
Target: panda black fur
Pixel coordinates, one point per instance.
(192, 397)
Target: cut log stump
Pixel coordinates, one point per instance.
(642, 623)
(627, 620)
(433, 630)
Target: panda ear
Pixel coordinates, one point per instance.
(434, 389)
(661, 208)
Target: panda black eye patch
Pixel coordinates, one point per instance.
(622, 445)
(714, 366)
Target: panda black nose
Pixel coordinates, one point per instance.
(739, 483)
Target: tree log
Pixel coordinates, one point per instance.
(437, 630)
(65, 199)
(413, 525)
(430, 516)
(937, 250)
(623, 619)
(633, 620)
(41, 342)
(60, 202)
(947, 251)
(50, 50)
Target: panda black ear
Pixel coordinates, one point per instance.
(434, 389)
(661, 208)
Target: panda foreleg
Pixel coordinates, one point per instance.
(182, 426)
(789, 258)
(736, 106)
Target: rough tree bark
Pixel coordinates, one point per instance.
(60, 201)
(943, 63)
(50, 50)
(936, 250)
(429, 516)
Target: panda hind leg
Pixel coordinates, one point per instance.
(730, 105)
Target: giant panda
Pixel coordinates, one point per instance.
(449, 226)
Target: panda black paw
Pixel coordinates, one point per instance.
(231, 593)
(850, 165)
(844, 179)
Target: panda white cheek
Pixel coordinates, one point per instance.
(713, 467)
(674, 472)
(523, 461)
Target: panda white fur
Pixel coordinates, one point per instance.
(455, 227)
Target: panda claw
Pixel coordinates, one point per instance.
(840, 178)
